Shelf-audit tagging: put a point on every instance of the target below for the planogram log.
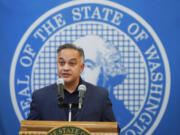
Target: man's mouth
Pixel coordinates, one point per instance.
(65, 75)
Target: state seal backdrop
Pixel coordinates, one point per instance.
(123, 53)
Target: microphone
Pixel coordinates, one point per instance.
(82, 90)
(60, 84)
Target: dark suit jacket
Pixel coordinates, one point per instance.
(96, 105)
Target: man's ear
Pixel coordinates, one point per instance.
(82, 67)
(57, 63)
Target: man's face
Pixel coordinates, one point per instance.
(69, 66)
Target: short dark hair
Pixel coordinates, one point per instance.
(74, 47)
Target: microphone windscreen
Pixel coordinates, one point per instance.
(60, 81)
(82, 87)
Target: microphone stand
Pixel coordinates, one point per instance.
(70, 112)
(69, 106)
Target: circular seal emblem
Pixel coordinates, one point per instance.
(68, 130)
(122, 54)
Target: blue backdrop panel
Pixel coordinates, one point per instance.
(134, 45)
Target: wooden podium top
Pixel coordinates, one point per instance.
(42, 127)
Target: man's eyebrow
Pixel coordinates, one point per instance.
(61, 58)
(73, 59)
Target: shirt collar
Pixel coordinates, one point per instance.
(76, 90)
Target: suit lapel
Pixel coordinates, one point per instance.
(80, 116)
(59, 113)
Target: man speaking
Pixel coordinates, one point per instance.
(71, 98)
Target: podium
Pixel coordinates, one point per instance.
(29, 127)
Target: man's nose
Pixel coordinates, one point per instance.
(66, 66)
